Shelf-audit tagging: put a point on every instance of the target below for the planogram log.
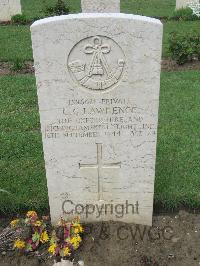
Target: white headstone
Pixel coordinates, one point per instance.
(100, 6)
(9, 8)
(98, 80)
(182, 3)
(195, 7)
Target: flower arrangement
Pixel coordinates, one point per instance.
(61, 242)
(66, 238)
(33, 232)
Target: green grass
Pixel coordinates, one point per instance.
(21, 158)
(15, 41)
(36, 8)
(178, 168)
(158, 8)
(22, 165)
(153, 8)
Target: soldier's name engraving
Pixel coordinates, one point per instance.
(115, 110)
(92, 118)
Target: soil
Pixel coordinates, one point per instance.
(6, 68)
(170, 65)
(174, 239)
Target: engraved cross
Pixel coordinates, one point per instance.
(100, 166)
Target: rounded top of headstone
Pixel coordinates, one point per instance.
(95, 15)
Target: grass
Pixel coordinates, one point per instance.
(21, 157)
(36, 8)
(154, 8)
(22, 165)
(178, 168)
(15, 41)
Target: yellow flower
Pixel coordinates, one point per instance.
(19, 244)
(52, 248)
(78, 238)
(78, 228)
(75, 241)
(37, 223)
(76, 245)
(66, 251)
(44, 237)
(14, 222)
(31, 214)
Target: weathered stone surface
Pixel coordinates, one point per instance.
(98, 80)
(100, 6)
(182, 3)
(9, 8)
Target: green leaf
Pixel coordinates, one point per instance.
(29, 247)
(36, 237)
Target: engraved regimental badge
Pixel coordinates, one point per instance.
(96, 63)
